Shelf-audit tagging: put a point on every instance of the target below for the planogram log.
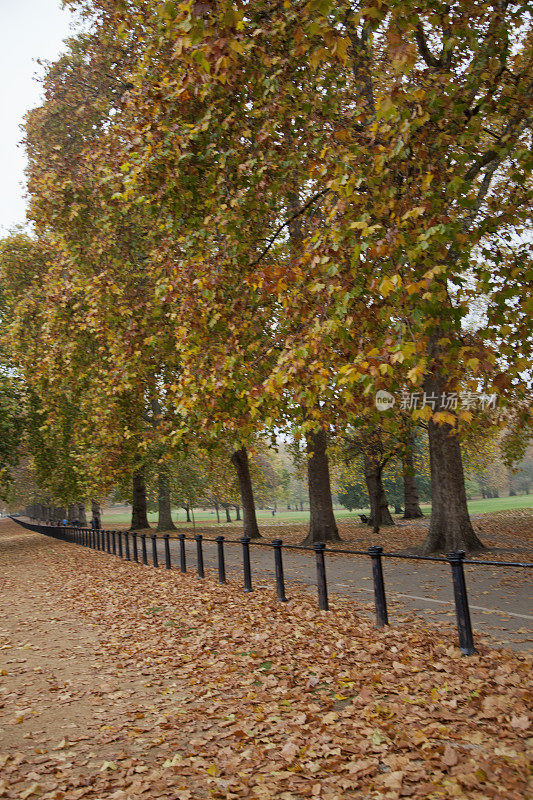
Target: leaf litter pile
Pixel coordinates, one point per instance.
(121, 681)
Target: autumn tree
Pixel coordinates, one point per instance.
(313, 194)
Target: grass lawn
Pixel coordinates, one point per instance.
(122, 514)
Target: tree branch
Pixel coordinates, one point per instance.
(424, 50)
(288, 222)
(483, 161)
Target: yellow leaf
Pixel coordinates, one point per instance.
(444, 416)
(341, 48)
(33, 789)
(317, 56)
(386, 286)
(422, 413)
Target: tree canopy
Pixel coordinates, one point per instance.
(257, 215)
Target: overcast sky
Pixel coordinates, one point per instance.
(29, 29)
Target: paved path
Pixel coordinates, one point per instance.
(501, 604)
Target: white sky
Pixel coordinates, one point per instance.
(29, 29)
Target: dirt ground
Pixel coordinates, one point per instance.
(127, 682)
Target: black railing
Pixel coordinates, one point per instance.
(106, 541)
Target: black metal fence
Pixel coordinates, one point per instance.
(125, 544)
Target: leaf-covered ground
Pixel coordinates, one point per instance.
(121, 681)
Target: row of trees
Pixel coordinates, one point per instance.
(250, 217)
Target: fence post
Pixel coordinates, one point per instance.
(119, 537)
(221, 562)
(113, 543)
(108, 541)
(135, 548)
(155, 561)
(379, 586)
(462, 610)
(97, 532)
(143, 549)
(183, 561)
(166, 537)
(247, 569)
(277, 544)
(200, 555)
(127, 545)
(322, 587)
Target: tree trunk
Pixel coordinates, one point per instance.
(397, 508)
(187, 512)
(96, 514)
(239, 459)
(217, 512)
(450, 527)
(379, 507)
(164, 512)
(139, 518)
(225, 506)
(410, 492)
(72, 516)
(82, 516)
(322, 525)
(238, 513)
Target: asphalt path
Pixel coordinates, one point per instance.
(500, 598)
